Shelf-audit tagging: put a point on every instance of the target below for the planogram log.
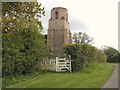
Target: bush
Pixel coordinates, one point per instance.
(82, 54)
(22, 51)
(99, 56)
(112, 55)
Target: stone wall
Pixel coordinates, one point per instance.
(58, 30)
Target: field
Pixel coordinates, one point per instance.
(93, 76)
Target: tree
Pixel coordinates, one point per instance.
(111, 53)
(19, 14)
(23, 44)
(82, 38)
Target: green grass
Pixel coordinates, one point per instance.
(93, 76)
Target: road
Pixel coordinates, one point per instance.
(119, 76)
(114, 81)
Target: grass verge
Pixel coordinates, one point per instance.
(93, 76)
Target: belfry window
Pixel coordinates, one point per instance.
(56, 15)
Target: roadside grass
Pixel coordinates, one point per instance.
(93, 76)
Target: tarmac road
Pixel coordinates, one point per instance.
(114, 81)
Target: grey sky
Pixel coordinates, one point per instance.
(98, 18)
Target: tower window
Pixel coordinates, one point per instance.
(56, 15)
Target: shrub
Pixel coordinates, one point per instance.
(112, 54)
(78, 54)
(23, 51)
(99, 56)
(82, 54)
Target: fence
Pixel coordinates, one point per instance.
(57, 64)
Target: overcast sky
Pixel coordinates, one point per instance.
(97, 18)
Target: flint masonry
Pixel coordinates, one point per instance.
(58, 30)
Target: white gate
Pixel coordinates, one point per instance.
(57, 64)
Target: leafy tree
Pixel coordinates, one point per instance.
(19, 14)
(82, 38)
(119, 58)
(23, 44)
(111, 53)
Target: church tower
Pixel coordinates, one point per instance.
(58, 30)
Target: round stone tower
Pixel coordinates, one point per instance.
(58, 30)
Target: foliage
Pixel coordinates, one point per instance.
(112, 54)
(19, 14)
(99, 56)
(23, 44)
(22, 53)
(82, 38)
(82, 54)
(119, 58)
(72, 50)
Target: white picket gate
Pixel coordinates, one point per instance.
(57, 64)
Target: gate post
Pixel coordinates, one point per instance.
(57, 64)
(70, 62)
